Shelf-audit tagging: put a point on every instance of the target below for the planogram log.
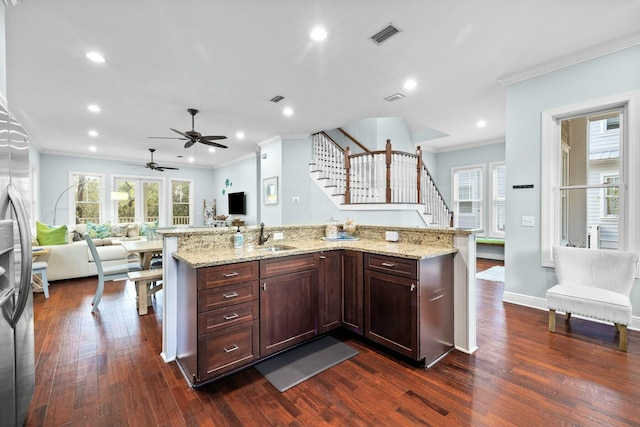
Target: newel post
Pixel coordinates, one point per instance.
(388, 161)
(419, 169)
(347, 178)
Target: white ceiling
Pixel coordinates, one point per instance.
(228, 58)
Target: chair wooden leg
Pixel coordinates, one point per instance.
(552, 320)
(98, 296)
(624, 340)
(567, 317)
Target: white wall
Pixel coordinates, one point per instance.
(605, 76)
(54, 178)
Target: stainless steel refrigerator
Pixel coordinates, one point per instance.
(17, 365)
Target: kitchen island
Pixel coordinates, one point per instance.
(425, 265)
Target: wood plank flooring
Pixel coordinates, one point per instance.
(104, 369)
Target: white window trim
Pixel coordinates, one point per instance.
(71, 215)
(629, 209)
(493, 226)
(162, 208)
(603, 195)
(192, 197)
(454, 190)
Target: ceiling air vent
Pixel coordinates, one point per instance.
(277, 98)
(394, 97)
(384, 34)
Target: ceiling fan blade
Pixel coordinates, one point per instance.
(189, 143)
(213, 144)
(159, 169)
(181, 133)
(213, 137)
(168, 167)
(164, 137)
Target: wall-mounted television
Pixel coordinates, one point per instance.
(237, 204)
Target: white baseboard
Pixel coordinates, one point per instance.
(541, 304)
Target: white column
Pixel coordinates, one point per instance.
(169, 299)
(464, 293)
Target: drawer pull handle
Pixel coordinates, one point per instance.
(228, 275)
(322, 257)
(436, 298)
(388, 264)
(229, 350)
(233, 295)
(413, 286)
(230, 316)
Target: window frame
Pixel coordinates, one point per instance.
(191, 202)
(603, 194)
(71, 215)
(495, 199)
(629, 187)
(139, 179)
(455, 171)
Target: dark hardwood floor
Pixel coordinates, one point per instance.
(104, 369)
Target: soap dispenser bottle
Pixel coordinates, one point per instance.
(238, 239)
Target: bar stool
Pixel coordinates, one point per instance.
(40, 267)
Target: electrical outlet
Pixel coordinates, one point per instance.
(278, 236)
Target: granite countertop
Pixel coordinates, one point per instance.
(227, 255)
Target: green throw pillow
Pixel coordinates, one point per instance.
(48, 235)
(99, 231)
(147, 225)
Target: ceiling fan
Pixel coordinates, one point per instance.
(153, 165)
(191, 136)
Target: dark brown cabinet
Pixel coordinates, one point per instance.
(218, 312)
(352, 291)
(329, 290)
(288, 302)
(408, 305)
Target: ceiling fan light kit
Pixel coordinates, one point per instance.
(192, 136)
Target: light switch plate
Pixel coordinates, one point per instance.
(391, 236)
(278, 236)
(528, 221)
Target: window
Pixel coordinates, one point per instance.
(181, 202)
(87, 198)
(145, 200)
(594, 182)
(498, 199)
(467, 197)
(610, 195)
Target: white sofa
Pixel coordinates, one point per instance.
(73, 259)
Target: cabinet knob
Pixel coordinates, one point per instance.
(264, 286)
(413, 286)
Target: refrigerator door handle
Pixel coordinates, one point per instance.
(25, 244)
(6, 296)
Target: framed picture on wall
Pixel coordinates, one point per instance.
(270, 190)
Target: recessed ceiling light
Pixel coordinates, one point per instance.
(212, 150)
(93, 133)
(192, 159)
(96, 57)
(92, 148)
(287, 111)
(93, 108)
(410, 84)
(318, 34)
(240, 135)
(481, 123)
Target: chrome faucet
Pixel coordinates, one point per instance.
(262, 240)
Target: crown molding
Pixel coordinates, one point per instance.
(573, 59)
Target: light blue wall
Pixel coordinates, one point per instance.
(296, 156)
(484, 156)
(54, 178)
(605, 76)
(374, 132)
(242, 176)
(270, 166)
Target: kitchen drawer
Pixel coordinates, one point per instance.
(223, 296)
(222, 275)
(393, 265)
(285, 265)
(224, 317)
(227, 350)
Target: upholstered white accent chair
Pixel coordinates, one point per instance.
(107, 273)
(594, 283)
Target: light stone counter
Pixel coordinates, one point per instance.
(217, 256)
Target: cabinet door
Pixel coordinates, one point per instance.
(329, 286)
(352, 291)
(288, 310)
(390, 309)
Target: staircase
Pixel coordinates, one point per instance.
(377, 178)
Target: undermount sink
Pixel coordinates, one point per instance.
(275, 248)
